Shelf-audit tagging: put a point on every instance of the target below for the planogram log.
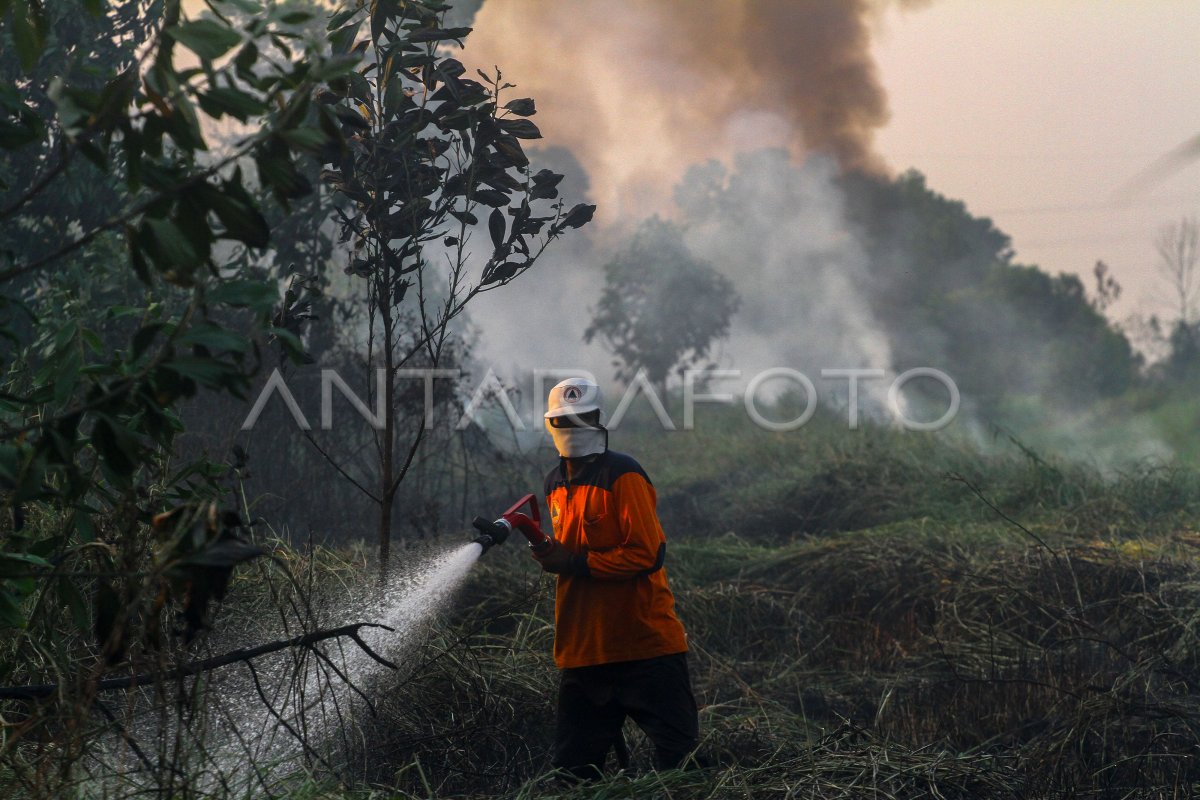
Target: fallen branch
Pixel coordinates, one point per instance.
(208, 664)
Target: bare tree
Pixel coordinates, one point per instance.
(1178, 246)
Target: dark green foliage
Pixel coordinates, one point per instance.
(427, 146)
(662, 309)
(948, 294)
(1022, 331)
(119, 301)
(1182, 364)
(922, 242)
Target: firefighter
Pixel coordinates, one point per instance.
(619, 646)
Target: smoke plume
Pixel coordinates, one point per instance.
(660, 103)
(640, 91)
(778, 231)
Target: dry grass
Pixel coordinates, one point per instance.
(860, 626)
(1032, 632)
(875, 664)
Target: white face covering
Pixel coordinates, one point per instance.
(578, 442)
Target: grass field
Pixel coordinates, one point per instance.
(871, 613)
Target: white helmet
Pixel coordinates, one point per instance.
(575, 438)
(575, 396)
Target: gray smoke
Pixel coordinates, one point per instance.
(642, 93)
(775, 228)
(779, 232)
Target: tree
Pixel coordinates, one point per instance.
(662, 308)
(1182, 363)
(103, 141)
(428, 148)
(1178, 246)
(110, 179)
(945, 291)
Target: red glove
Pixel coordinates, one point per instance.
(561, 561)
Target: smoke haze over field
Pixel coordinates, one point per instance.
(778, 230)
(644, 94)
(739, 124)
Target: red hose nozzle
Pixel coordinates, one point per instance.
(494, 533)
(538, 540)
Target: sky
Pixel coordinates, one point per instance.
(1037, 113)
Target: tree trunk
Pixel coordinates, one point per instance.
(385, 535)
(387, 491)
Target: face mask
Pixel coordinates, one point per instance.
(578, 442)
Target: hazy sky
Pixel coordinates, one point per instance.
(1036, 112)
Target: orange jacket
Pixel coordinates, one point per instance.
(616, 606)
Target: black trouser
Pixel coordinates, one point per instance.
(594, 701)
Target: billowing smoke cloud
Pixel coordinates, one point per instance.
(654, 99)
(734, 119)
(776, 228)
(640, 91)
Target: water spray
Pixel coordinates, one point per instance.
(399, 621)
(530, 525)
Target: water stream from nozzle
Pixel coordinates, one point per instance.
(249, 746)
(408, 603)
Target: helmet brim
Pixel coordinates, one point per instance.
(578, 409)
